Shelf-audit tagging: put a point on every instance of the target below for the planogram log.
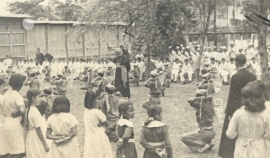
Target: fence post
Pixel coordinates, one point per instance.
(66, 43)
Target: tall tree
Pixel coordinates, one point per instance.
(262, 42)
(32, 9)
(259, 7)
(68, 11)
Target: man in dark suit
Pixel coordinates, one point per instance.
(238, 82)
(39, 57)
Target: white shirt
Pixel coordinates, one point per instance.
(140, 56)
(176, 66)
(223, 66)
(231, 67)
(186, 67)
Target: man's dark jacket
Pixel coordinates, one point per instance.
(238, 82)
(40, 58)
(49, 57)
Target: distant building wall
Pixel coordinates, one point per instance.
(57, 38)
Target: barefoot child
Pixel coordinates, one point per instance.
(36, 145)
(64, 126)
(122, 132)
(155, 137)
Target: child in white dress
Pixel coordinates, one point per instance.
(96, 142)
(250, 124)
(64, 126)
(13, 108)
(3, 89)
(36, 145)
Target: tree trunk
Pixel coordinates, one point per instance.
(262, 35)
(210, 8)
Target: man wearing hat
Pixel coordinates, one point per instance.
(186, 69)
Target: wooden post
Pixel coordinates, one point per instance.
(148, 38)
(25, 42)
(99, 46)
(66, 43)
(215, 23)
(47, 37)
(84, 46)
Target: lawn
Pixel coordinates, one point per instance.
(177, 114)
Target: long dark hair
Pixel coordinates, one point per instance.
(253, 97)
(30, 94)
(152, 112)
(90, 99)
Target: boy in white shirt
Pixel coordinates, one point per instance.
(139, 55)
(223, 71)
(231, 68)
(186, 69)
(256, 68)
(141, 66)
(158, 63)
(175, 70)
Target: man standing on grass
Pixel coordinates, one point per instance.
(238, 81)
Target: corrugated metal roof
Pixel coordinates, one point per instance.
(14, 16)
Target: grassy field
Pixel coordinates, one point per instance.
(178, 115)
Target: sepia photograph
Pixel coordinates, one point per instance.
(134, 79)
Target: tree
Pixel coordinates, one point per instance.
(256, 24)
(32, 9)
(63, 11)
(68, 12)
(167, 18)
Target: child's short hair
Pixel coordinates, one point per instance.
(253, 97)
(123, 107)
(61, 104)
(152, 112)
(16, 80)
(241, 59)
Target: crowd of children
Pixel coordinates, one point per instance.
(40, 125)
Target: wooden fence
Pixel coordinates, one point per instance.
(57, 38)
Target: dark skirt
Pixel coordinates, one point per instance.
(226, 148)
(118, 83)
(128, 150)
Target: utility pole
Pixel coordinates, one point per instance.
(148, 36)
(215, 23)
